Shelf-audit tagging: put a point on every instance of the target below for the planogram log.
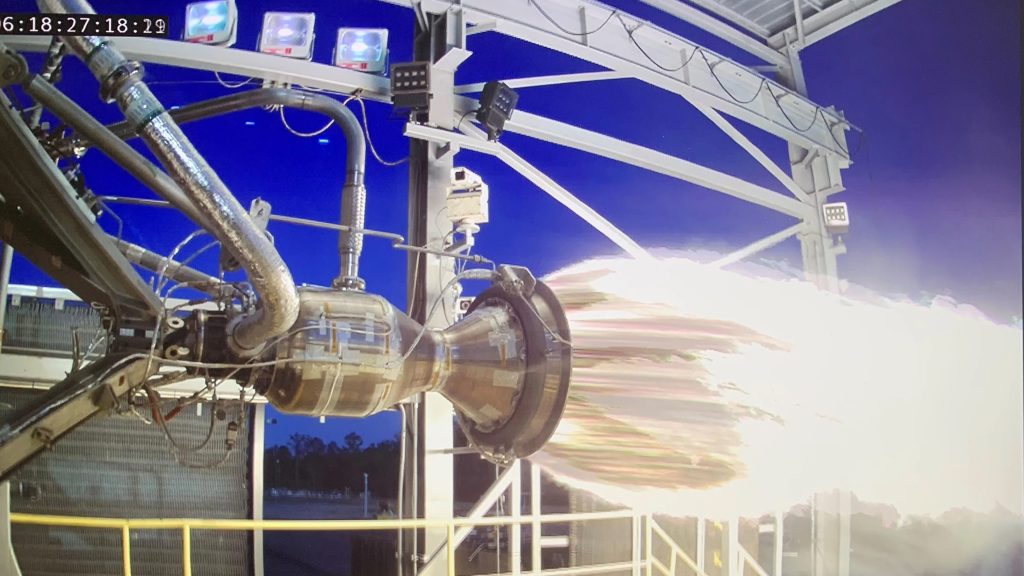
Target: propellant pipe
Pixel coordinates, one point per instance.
(97, 134)
(353, 195)
(173, 269)
(121, 82)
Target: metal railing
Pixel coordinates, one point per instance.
(187, 525)
(644, 560)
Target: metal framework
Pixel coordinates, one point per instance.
(774, 31)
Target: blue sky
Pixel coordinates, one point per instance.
(934, 194)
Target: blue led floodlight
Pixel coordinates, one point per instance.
(211, 22)
(363, 49)
(288, 34)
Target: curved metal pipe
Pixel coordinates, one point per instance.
(121, 81)
(353, 195)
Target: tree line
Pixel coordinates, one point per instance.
(309, 463)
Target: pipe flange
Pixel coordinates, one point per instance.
(349, 283)
(112, 82)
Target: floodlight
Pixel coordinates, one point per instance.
(496, 105)
(211, 22)
(837, 218)
(363, 49)
(410, 85)
(288, 34)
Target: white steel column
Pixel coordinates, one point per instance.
(843, 518)
(636, 535)
(702, 526)
(731, 557)
(5, 280)
(436, 413)
(819, 176)
(535, 508)
(259, 422)
(515, 542)
(780, 519)
(8, 561)
(430, 176)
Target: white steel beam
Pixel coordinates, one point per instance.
(831, 20)
(762, 158)
(545, 81)
(671, 63)
(327, 77)
(234, 61)
(758, 246)
(8, 560)
(478, 511)
(733, 16)
(713, 25)
(516, 162)
(588, 141)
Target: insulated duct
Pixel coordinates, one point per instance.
(121, 82)
(505, 366)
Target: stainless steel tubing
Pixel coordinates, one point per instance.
(171, 268)
(121, 82)
(136, 164)
(353, 195)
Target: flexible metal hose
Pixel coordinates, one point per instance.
(353, 196)
(121, 82)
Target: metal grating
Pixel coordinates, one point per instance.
(39, 325)
(764, 18)
(120, 467)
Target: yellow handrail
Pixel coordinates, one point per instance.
(302, 525)
(186, 525)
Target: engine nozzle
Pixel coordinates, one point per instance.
(505, 366)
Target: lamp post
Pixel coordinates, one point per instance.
(366, 495)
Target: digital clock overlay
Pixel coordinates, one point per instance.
(46, 24)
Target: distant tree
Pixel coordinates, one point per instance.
(353, 442)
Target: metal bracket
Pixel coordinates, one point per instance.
(442, 87)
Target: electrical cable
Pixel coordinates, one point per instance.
(583, 33)
(229, 85)
(304, 134)
(458, 126)
(186, 262)
(366, 130)
(629, 32)
(469, 274)
(818, 110)
(752, 98)
(160, 317)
